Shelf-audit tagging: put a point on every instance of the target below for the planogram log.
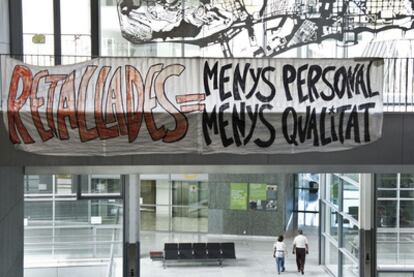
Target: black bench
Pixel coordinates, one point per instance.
(203, 252)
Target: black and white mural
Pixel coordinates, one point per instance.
(270, 27)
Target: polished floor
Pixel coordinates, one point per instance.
(254, 258)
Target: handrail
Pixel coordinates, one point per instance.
(79, 226)
(114, 237)
(396, 268)
(86, 243)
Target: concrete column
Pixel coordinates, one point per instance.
(16, 28)
(131, 225)
(95, 28)
(11, 221)
(341, 229)
(322, 214)
(367, 232)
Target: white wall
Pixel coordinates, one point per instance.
(4, 27)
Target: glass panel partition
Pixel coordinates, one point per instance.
(341, 224)
(395, 221)
(350, 267)
(63, 233)
(173, 205)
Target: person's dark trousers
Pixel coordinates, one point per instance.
(300, 258)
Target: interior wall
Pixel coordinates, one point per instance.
(11, 221)
(4, 27)
(222, 220)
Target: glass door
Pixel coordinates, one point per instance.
(190, 206)
(307, 199)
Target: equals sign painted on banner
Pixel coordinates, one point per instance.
(189, 108)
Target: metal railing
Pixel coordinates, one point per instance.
(398, 94)
(38, 48)
(395, 273)
(399, 85)
(84, 238)
(112, 252)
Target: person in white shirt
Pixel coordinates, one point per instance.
(280, 253)
(301, 248)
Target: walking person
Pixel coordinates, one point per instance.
(280, 253)
(301, 248)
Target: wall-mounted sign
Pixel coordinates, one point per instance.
(262, 196)
(238, 196)
(122, 106)
(39, 39)
(257, 192)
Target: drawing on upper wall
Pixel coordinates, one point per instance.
(271, 26)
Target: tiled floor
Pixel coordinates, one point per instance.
(254, 258)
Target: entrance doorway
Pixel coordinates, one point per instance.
(307, 195)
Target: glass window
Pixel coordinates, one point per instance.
(101, 185)
(38, 30)
(395, 221)
(406, 248)
(407, 181)
(387, 185)
(307, 193)
(387, 213)
(38, 184)
(173, 205)
(351, 239)
(350, 267)
(333, 195)
(352, 176)
(66, 185)
(331, 258)
(72, 211)
(407, 213)
(37, 211)
(407, 193)
(155, 203)
(351, 199)
(388, 181)
(148, 194)
(111, 39)
(387, 193)
(332, 222)
(190, 206)
(75, 16)
(387, 247)
(60, 230)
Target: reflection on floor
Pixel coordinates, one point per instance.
(254, 257)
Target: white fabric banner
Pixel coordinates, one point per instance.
(120, 106)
